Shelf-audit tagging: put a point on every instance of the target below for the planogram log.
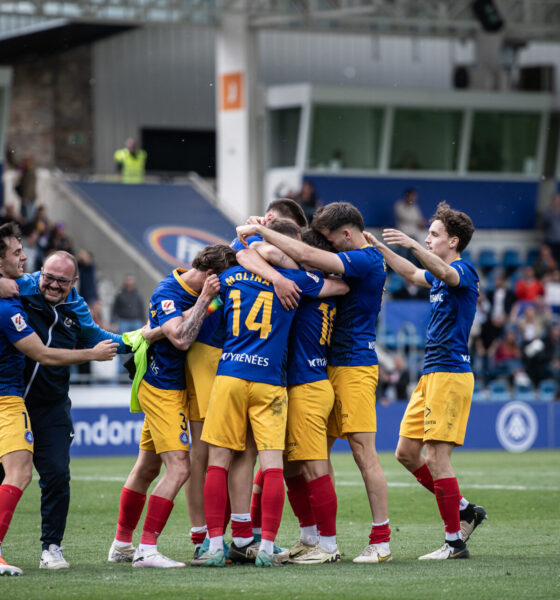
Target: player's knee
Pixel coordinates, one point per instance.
(402, 456)
(147, 473)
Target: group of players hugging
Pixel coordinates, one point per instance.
(266, 348)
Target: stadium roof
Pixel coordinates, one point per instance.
(525, 20)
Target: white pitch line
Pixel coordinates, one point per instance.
(477, 486)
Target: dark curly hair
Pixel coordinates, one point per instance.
(335, 215)
(285, 226)
(456, 223)
(288, 209)
(7, 231)
(218, 258)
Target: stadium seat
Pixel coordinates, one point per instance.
(524, 393)
(499, 391)
(532, 255)
(511, 260)
(548, 389)
(487, 259)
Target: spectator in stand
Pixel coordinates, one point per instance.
(552, 290)
(410, 291)
(529, 288)
(86, 268)
(551, 227)
(26, 187)
(59, 239)
(308, 200)
(545, 263)
(552, 353)
(131, 162)
(42, 226)
(507, 360)
(501, 300)
(129, 311)
(534, 322)
(410, 220)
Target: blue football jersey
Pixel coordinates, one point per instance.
(257, 325)
(353, 338)
(13, 327)
(213, 330)
(237, 244)
(166, 364)
(453, 310)
(310, 337)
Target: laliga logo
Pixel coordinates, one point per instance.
(179, 245)
(517, 426)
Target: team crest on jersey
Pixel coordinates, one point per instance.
(168, 306)
(313, 276)
(28, 437)
(178, 246)
(19, 322)
(184, 438)
(68, 322)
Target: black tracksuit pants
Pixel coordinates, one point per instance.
(53, 432)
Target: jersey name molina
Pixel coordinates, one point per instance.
(166, 364)
(257, 325)
(453, 310)
(353, 338)
(310, 337)
(13, 327)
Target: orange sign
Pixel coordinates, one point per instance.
(232, 91)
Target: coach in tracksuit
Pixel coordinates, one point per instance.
(62, 319)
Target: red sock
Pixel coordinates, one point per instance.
(448, 497)
(379, 534)
(299, 500)
(424, 477)
(198, 537)
(272, 502)
(130, 511)
(242, 529)
(322, 499)
(259, 478)
(158, 512)
(9, 497)
(227, 514)
(215, 500)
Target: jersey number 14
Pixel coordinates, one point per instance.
(264, 302)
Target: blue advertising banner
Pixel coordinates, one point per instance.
(513, 426)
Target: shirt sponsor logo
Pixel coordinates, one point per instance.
(317, 362)
(168, 306)
(68, 322)
(253, 359)
(313, 276)
(371, 345)
(19, 322)
(466, 357)
(436, 297)
(153, 367)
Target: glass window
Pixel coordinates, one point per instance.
(425, 139)
(345, 137)
(283, 136)
(504, 142)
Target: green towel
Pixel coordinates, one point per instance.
(139, 346)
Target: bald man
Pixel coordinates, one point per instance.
(62, 319)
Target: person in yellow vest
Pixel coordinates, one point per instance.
(131, 162)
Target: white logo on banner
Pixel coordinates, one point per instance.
(517, 426)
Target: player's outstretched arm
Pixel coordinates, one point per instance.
(33, 347)
(333, 287)
(274, 255)
(400, 265)
(327, 262)
(181, 331)
(286, 289)
(434, 264)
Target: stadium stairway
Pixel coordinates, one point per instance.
(145, 229)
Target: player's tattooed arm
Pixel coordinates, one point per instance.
(188, 329)
(274, 255)
(400, 265)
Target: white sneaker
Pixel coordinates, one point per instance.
(53, 559)
(155, 560)
(298, 549)
(374, 553)
(6, 569)
(445, 552)
(120, 554)
(316, 556)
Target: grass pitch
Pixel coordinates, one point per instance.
(515, 553)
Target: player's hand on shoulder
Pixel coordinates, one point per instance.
(371, 239)
(105, 350)
(255, 221)
(287, 291)
(245, 231)
(8, 288)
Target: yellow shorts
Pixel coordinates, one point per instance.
(354, 404)
(309, 407)
(15, 426)
(166, 419)
(236, 402)
(200, 371)
(439, 408)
